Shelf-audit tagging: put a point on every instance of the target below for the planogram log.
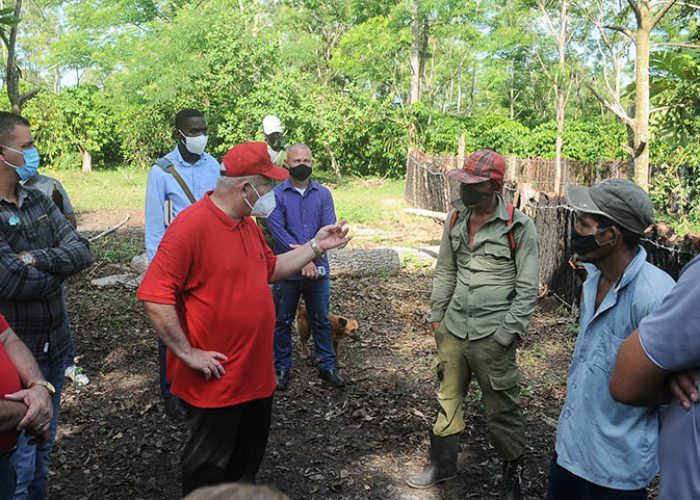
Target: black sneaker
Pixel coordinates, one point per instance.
(332, 377)
(282, 379)
(174, 408)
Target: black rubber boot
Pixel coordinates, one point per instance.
(443, 462)
(512, 480)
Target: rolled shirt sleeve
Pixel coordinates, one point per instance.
(670, 336)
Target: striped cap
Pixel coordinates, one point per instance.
(481, 166)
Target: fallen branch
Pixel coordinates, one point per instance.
(563, 302)
(441, 216)
(111, 230)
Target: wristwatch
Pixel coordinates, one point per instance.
(28, 259)
(320, 254)
(44, 383)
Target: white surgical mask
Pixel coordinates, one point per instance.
(264, 206)
(196, 144)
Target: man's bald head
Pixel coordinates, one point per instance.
(301, 147)
(299, 162)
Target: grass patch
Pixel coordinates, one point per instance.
(370, 201)
(373, 207)
(366, 201)
(109, 189)
(118, 250)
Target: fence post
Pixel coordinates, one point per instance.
(461, 151)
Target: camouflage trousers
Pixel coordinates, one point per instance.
(498, 375)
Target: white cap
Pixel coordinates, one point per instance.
(271, 124)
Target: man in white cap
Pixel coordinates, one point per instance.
(274, 137)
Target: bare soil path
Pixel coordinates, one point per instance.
(358, 443)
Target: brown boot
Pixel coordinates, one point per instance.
(443, 462)
(512, 481)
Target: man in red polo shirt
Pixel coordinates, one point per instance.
(29, 409)
(206, 292)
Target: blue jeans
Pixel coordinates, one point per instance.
(32, 461)
(563, 485)
(8, 478)
(317, 294)
(164, 382)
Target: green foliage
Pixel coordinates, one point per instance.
(588, 140)
(675, 86)
(7, 21)
(73, 120)
(500, 134)
(675, 186)
(336, 72)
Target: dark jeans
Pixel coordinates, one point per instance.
(8, 478)
(31, 462)
(225, 444)
(563, 485)
(164, 382)
(317, 294)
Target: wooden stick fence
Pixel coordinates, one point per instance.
(428, 187)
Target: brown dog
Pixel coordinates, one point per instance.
(340, 327)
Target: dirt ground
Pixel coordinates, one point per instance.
(360, 442)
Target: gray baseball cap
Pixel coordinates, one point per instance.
(620, 200)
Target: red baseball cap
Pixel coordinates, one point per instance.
(252, 158)
(481, 166)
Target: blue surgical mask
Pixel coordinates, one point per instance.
(31, 163)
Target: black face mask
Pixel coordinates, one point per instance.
(583, 244)
(471, 197)
(301, 172)
(276, 141)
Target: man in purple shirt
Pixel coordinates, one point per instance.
(303, 207)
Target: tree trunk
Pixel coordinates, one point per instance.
(87, 161)
(459, 97)
(416, 62)
(511, 94)
(334, 163)
(641, 99)
(12, 72)
(419, 49)
(561, 105)
(560, 94)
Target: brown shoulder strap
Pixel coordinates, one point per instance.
(169, 168)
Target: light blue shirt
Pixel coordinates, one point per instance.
(161, 186)
(598, 439)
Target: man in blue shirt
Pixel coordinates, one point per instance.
(303, 207)
(665, 353)
(165, 198)
(605, 449)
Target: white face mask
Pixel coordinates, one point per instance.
(264, 206)
(196, 144)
